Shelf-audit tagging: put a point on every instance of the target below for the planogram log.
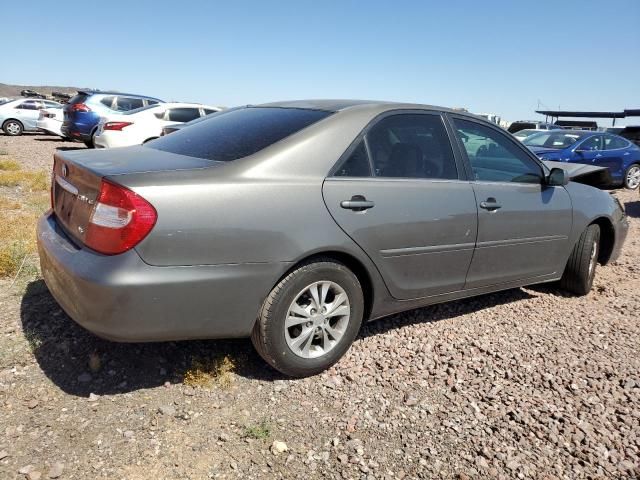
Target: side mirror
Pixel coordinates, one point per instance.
(557, 177)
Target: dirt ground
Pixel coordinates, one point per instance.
(527, 383)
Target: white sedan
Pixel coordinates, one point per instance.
(143, 124)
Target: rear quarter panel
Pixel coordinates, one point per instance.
(237, 220)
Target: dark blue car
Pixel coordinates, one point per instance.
(592, 148)
(83, 112)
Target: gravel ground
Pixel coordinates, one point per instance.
(35, 151)
(527, 383)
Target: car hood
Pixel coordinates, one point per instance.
(541, 150)
(588, 174)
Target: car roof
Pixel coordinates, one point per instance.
(107, 92)
(336, 105)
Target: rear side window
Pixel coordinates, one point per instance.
(107, 102)
(208, 111)
(29, 105)
(411, 146)
(183, 114)
(124, 104)
(612, 143)
(238, 133)
(357, 164)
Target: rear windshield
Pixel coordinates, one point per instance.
(79, 98)
(237, 133)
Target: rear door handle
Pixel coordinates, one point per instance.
(358, 203)
(490, 204)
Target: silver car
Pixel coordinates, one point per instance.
(293, 222)
(21, 115)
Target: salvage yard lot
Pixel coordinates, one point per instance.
(526, 383)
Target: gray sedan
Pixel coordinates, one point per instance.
(294, 222)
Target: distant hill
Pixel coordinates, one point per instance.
(14, 90)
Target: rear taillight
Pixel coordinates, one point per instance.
(120, 220)
(116, 125)
(80, 107)
(53, 181)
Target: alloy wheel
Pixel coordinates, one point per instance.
(633, 177)
(317, 319)
(13, 128)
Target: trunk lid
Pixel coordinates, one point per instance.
(77, 178)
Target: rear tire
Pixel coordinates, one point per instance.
(632, 177)
(13, 128)
(291, 301)
(581, 268)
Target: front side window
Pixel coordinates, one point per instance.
(357, 164)
(182, 114)
(495, 158)
(591, 144)
(613, 143)
(411, 146)
(238, 133)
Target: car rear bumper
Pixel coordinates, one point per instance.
(122, 298)
(50, 126)
(113, 139)
(70, 132)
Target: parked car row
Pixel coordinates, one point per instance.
(98, 118)
(620, 156)
(21, 115)
(144, 124)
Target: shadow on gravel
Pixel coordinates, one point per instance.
(62, 348)
(67, 149)
(632, 209)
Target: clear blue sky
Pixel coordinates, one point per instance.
(489, 56)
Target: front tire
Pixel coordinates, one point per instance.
(581, 268)
(13, 128)
(310, 318)
(632, 177)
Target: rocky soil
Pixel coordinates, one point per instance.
(527, 383)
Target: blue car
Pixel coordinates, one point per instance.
(83, 112)
(592, 148)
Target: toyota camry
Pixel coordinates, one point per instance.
(292, 223)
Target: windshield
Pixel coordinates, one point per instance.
(552, 139)
(524, 133)
(234, 134)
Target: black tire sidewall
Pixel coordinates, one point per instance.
(9, 122)
(285, 360)
(592, 236)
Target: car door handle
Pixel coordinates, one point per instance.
(490, 204)
(358, 203)
(598, 155)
